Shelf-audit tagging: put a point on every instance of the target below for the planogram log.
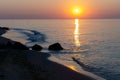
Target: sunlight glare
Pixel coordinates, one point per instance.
(76, 33)
(72, 67)
(76, 11)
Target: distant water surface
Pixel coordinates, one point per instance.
(93, 42)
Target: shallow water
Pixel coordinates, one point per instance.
(95, 43)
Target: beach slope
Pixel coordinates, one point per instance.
(32, 65)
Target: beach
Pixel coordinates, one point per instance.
(90, 48)
(59, 40)
(32, 65)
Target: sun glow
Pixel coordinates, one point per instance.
(77, 11)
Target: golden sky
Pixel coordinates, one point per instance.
(59, 8)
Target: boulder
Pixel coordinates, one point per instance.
(37, 47)
(4, 28)
(55, 46)
(20, 46)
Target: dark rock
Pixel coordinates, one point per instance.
(55, 46)
(4, 28)
(20, 46)
(37, 47)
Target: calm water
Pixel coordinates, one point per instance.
(94, 43)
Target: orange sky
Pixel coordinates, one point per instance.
(59, 8)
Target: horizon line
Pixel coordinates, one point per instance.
(59, 18)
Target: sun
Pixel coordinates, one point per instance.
(76, 10)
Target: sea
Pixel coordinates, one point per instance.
(90, 45)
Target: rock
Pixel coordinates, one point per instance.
(4, 28)
(20, 46)
(55, 46)
(37, 47)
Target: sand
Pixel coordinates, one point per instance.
(32, 65)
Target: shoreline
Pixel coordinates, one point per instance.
(37, 59)
(35, 64)
(78, 69)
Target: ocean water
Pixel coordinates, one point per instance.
(92, 44)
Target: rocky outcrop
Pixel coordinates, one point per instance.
(20, 46)
(37, 47)
(55, 46)
(4, 28)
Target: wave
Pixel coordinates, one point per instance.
(26, 36)
(33, 36)
(100, 71)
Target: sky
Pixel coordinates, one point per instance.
(50, 9)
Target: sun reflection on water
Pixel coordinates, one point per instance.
(76, 33)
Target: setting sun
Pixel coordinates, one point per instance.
(76, 11)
